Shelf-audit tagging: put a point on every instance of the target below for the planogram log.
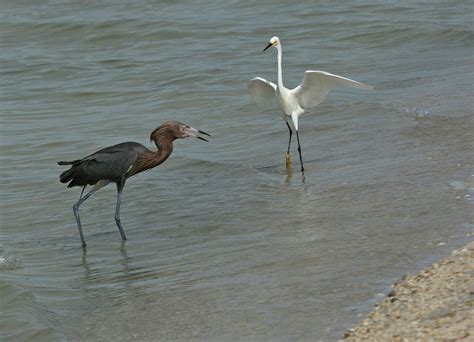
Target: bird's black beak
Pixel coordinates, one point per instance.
(269, 45)
(204, 134)
(193, 132)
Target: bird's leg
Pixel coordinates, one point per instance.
(75, 208)
(117, 216)
(299, 151)
(117, 209)
(81, 200)
(288, 157)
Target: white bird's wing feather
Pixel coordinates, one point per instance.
(316, 86)
(262, 91)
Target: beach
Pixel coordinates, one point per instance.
(436, 304)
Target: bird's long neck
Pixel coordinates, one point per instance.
(151, 159)
(280, 76)
(165, 147)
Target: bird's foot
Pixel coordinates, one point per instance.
(288, 162)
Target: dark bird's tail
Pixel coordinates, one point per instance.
(69, 162)
(67, 175)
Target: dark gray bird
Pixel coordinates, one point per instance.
(119, 162)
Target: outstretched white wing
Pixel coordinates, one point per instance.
(262, 91)
(317, 84)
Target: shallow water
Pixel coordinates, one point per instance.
(223, 243)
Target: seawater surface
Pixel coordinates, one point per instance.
(223, 244)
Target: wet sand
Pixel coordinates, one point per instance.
(437, 304)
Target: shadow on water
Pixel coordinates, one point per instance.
(124, 262)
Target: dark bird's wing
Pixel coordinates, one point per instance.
(110, 163)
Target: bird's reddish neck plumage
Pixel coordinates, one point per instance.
(151, 159)
(165, 147)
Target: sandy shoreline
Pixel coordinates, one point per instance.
(436, 304)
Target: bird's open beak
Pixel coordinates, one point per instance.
(193, 132)
(201, 132)
(269, 45)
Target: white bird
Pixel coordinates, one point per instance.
(295, 102)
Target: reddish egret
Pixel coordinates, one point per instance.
(119, 162)
(312, 91)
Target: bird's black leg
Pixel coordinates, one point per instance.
(299, 151)
(117, 209)
(288, 157)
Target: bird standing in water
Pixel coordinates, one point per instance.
(295, 102)
(119, 162)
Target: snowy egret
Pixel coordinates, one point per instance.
(294, 102)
